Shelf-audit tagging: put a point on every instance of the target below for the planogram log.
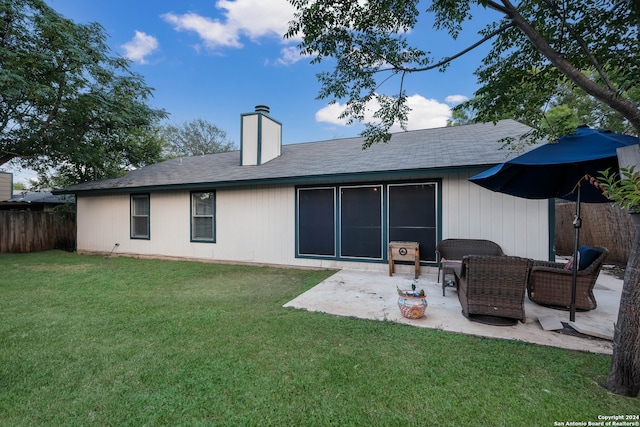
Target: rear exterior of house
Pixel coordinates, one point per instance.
(323, 204)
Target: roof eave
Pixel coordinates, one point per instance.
(297, 180)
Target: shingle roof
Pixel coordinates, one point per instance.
(447, 147)
(38, 197)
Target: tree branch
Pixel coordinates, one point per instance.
(583, 45)
(457, 55)
(625, 107)
(498, 7)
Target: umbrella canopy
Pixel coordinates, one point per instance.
(556, 171)
(553, 170)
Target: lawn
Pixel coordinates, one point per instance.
(129, 342)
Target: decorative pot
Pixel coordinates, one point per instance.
(412, 305)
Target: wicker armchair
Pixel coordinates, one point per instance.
(450, 252)
(494, 286)
(550, 283)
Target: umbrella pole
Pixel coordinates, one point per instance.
(577, 223)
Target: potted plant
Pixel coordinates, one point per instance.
(412, 303)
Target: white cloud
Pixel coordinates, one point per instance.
(425, 114)
(250, 18)
(456, 99)
(140, 46)
(331, 114)
(212, 32)
(290, 55)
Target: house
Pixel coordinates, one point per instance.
(11, 200)
(319, 204)
(44, 201)
(6, 185)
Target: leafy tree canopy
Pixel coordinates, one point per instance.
(194, 138)
(65, 102)
(589, 44)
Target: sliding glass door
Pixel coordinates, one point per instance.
(357, 221)
(361, 222)
(412, 216)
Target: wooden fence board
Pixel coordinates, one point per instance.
(602, 225)
(27, 231)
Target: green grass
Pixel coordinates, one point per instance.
(132, 342)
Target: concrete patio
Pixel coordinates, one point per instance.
(372, 295)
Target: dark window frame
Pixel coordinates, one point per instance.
(357, 231)
(194, 215)
(427, 245)
(301, 246)
(427, 258)
(134, 216)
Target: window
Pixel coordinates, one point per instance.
(412, 216)
(140, 216)
(357, 221)
(316, 221)
(361, 222)
(202, 216)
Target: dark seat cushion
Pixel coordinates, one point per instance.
(587, 256)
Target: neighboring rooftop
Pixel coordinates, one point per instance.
(441, 148)
(35, 200)
(22, 196)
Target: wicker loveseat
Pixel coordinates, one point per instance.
(451, 251)
(551, 282)
(494, 286)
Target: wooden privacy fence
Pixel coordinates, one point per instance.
(602, 225)
(27, 231)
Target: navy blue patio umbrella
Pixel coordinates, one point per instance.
(556, 170)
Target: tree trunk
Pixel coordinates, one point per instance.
(624, 374)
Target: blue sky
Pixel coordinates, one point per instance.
(217, 59)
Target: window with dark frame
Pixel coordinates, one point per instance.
(140, 215)
(412, 216)
(203, 216)
(316, 221)
(354, 221)
(361, 222)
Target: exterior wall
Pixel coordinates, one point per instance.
(249, 140)
(270, 144)
(520, 226)
(257, 224)
(261, 139)
(252, 225)
(6, 185)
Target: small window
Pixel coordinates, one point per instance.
(140, 216)
(202, 216)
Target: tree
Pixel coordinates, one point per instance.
(64, 101)
(558, 121)
(460, 116)
(195, 138)
(536, 44)
(589, 111)
(103, 156)
(592, 44)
